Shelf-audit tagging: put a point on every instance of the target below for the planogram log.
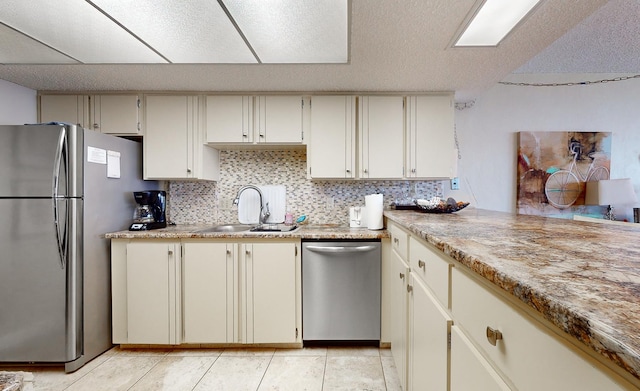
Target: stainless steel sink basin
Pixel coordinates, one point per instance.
(227, 228)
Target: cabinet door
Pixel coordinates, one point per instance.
(381, 131)
(271, 299)
(229, 119)
(399, 279)
(469, 370)
(430, 138)
(332, 143)
(152, 293)
(429, 327)
(168, 140)
(209, 275)
(116, 114)
(73, 109)
(279, 119)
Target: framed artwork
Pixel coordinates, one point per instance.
(553, 168)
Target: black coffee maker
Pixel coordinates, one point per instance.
(150, 211)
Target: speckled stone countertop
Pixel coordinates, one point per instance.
(303, 232)
(583, 277)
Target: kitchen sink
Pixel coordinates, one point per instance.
(227, 228)
(273, 228)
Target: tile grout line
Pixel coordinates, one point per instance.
(265, 370)
(207, 371)
(150, 369)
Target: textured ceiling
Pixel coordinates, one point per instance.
(395, 45)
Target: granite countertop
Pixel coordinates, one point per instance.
(303, 232)
(582, 277)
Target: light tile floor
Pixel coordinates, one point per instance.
(317, 368)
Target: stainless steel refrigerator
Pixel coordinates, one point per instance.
(61, 189)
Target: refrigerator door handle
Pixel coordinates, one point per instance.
(61, 152)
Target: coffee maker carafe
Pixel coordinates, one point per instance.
(150, 210)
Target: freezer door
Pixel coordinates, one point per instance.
(35, 159)
(38, 296)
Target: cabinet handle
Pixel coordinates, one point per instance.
(96, 126)
(262, 135)
(247, 252)
(421, 265)
(402, 276)
(493, 335)
(413, 170)
(244, 135)
(409, 288)
(170, 252)
(396, 240)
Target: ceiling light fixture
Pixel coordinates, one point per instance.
(493, 20)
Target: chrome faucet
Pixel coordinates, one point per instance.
(264, 208)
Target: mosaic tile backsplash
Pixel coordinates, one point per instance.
(324, 202)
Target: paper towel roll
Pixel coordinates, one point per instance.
(374, 205)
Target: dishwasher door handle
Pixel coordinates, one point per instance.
(340, 249)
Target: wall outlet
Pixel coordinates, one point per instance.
(455, 184)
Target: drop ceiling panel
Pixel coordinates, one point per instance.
(77, 29)
(195, 31)
(305, 31)
(16, 48)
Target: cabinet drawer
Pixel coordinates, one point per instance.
(469, 370)
(528, 352)
(433, 268)
(399, 240)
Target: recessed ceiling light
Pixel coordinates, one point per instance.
(493, 21)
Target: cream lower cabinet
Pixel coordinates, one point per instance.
(153, 292)
(429, 326)
(210, 292)
(526, 353)
(206, 292)
(272, 306)
(399, 306)
(469, 370)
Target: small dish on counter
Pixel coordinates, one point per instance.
(436, 205)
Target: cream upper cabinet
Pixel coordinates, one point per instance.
(173, 141)
(153, 292)
(333, 137)
(381, 137)
(116, 114)
(272, 300)
(229, 119)
(430, 136)
(210, 285)
(72, 109)
(278, 119)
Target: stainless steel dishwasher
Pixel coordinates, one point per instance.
(341, 292)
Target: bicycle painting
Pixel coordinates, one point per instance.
(553, 168)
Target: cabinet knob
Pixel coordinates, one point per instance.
(421, 264)
(170, 252)
(365, 171)
(96, 126)
(262, 136)
(248, 252)
(396, 240)
(493, 335)
(409, 288)
(413, 170)
(244, 135)
(348, 171)
(228, 252)
(402, 276)
(189, 170)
